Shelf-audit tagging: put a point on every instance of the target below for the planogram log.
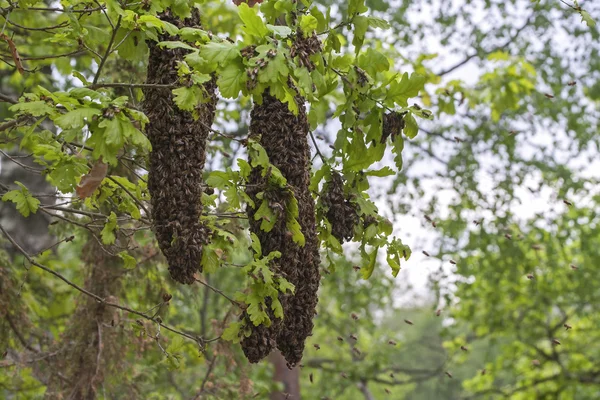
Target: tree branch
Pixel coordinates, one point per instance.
(494, 49)
(197, 339)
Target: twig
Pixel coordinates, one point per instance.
(62, 10)
(47, 28)
(72, 53)
(218, 291)
(131, 85)
(206, 376)
(500, 47)
(317, 147)
(8, 99)
(11, 124)
(108, 50)
(135, 199)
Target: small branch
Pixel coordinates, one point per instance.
(105, 14)
(62, 10)
(135, 199)
(131, 85)
(8, 99)
(501, 47)
(11, 124)
(47, 28)
(73, 53)
(197, 339)
(218, 291)
(206, 376)
(19, 335)
(317, 147)
(108, 50)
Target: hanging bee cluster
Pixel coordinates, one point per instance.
(342, 213)
(304, 47)
(284, 137)
(177, 158)
(393, 124)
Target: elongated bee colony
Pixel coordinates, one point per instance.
(284, 137)
(341, 212)
(177, 158)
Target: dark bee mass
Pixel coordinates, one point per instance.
(304, 48)
(284, 137)
(341, 212)
(177, 159)
(393, 124)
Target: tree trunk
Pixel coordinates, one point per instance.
(289, 377)
(91, 344)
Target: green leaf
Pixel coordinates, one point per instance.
(397, 149)
(181, 8)
(26, 204)
(175, 44)
(267, 216)
(285, 286)
(276, 307)
(411, 128)
(232, 79)
(280, 30)
(253, 24)
(356, 7)
(76, 118)
(275, 69)
(407, 87)
(187, 98)
(108, 232)
(308, 24)
(129, 262)
(361, 24)
(210, 259)
(385, 171)
(245, 168)
(218, 180)
(35, 108)
(258, 154)
(368, 270)
(219, 53)
(232, 332)
(587, 18)
(294, 227)
(256, 245)
(378, 22)
(194, 35)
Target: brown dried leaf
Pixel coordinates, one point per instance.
(13, 52)
(90, 182)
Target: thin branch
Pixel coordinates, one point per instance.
(105, 14)
(11, 124)
(19, 335)
(62, 10)
(197, 339)
(8, 99)
(108, 50)
(317, 147)
(47, 28)
(135, 199)
(131, 85)
(47, 57)
(494, 49)
(218, 291)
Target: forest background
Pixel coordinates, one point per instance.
(473, 266)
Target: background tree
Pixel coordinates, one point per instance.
(93, 313)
